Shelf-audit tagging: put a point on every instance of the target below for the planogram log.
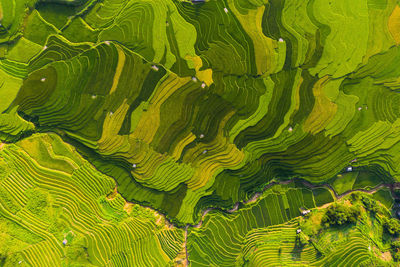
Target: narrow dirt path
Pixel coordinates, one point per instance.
(306, 184)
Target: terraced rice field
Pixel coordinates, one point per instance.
(51, 197)
(197, 133)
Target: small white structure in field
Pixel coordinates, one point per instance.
(201, 136)
(65, 241)
(305, 212)
(366, 107)
(19, 262)
(290, 129)
(349, 169)
(204, 152)
(107, 42)
(111, 113)
(280, 40)
(154, 67)
(194, 79)
(226, 10)
(298, 231)
(94, 96)
(203, 85)
(134, 165)
(359, 108)
(43, 79)
(45, 47)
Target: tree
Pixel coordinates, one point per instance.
(303, 239)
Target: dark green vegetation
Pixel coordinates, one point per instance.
(186, 106)
(353, 230)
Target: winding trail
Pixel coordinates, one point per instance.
(307, 184)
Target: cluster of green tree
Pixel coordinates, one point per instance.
(391, 225)
(38, 202)
(7, 201)
(367, 202)
(339, 214)
(396, 250)
(77, 252)
(3, 170)
(138, 211)
(370, 204)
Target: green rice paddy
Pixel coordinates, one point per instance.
(198, 133)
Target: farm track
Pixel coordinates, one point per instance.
(306, 184)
